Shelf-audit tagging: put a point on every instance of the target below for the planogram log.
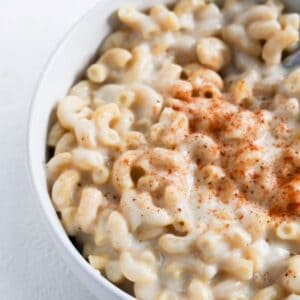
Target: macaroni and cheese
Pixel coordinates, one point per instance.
(176, 162)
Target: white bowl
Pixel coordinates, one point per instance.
(68, 62)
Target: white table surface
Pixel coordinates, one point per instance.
(30, 267)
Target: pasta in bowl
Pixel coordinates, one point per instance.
(175, 161)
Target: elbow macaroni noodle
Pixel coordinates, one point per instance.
(176, 161)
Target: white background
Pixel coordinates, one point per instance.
(30, 267)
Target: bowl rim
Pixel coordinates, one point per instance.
(58, 234)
